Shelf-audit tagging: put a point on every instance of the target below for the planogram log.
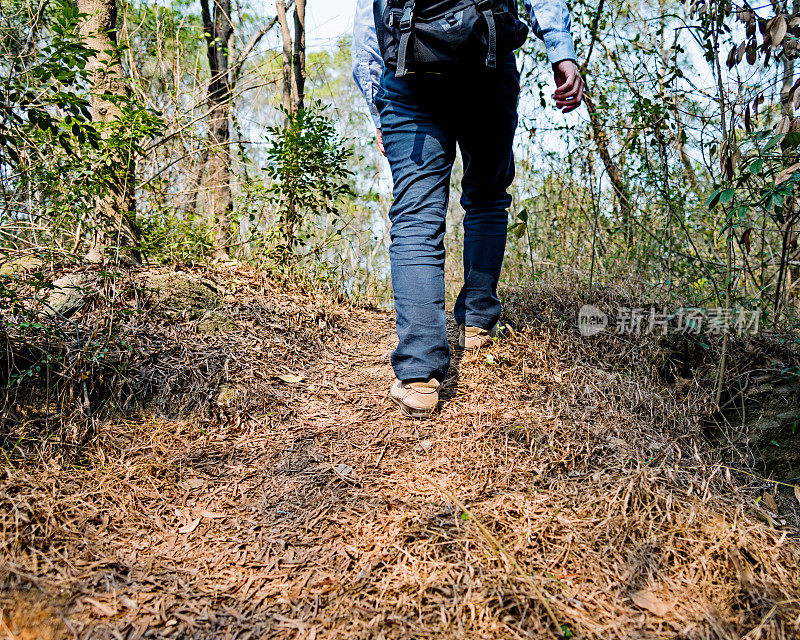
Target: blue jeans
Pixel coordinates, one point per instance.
(423, 119)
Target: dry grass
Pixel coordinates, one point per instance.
(563, 480)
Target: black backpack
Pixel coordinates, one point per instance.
(437, 35)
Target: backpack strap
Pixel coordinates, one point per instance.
(485, 7)
(406, 24)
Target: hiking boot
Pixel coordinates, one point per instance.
(473, 338)
(416, 399)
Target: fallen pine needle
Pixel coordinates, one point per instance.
(543, 599)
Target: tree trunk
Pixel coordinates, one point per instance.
(293, 70)
(219, 201)
(787, 103)
(114, 224)
(299, 56)
(287, 84)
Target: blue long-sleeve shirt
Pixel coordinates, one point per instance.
(550, 22)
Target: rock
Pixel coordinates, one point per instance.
(180, 295)
(69, 293)
(770, 427)
(213, 322)
(21, 265)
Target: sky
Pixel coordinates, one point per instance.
(326, 20)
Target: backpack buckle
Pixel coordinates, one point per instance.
(405, 21)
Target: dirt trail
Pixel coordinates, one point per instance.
(310, 509)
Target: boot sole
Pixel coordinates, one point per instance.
(463, 347)
(411, 412)
(485, 341)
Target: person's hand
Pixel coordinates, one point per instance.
(569, 86)
(379, 136)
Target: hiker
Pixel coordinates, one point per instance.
(438, 74)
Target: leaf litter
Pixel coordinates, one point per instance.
(564, 490)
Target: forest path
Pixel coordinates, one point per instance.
(308, 507)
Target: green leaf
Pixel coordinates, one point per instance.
(791, 139)
(773, 141)
(726, 196)
(518, 229)
(756, 166)
(714, 199)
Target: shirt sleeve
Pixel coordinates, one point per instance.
(551, 23)
(367, 59)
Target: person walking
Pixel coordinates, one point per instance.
(439, 75)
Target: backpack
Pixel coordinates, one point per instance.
(437, 35)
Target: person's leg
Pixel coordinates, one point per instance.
(421, 151)
(486, 130)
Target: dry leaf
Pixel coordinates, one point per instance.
(730, 167)
(291, 378)
(746, 239)
(756, 102)
(344, 470)
(128, 603)
(648, 600)
(213, 515)
(797, 492)
(769, 502)
(102, 608)
(750, 52)
(778, 30)
(743, 572)
(731, 59)
(193, 483)
(783, 125)
(784, 175)
(188, 528)
(740, 51)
